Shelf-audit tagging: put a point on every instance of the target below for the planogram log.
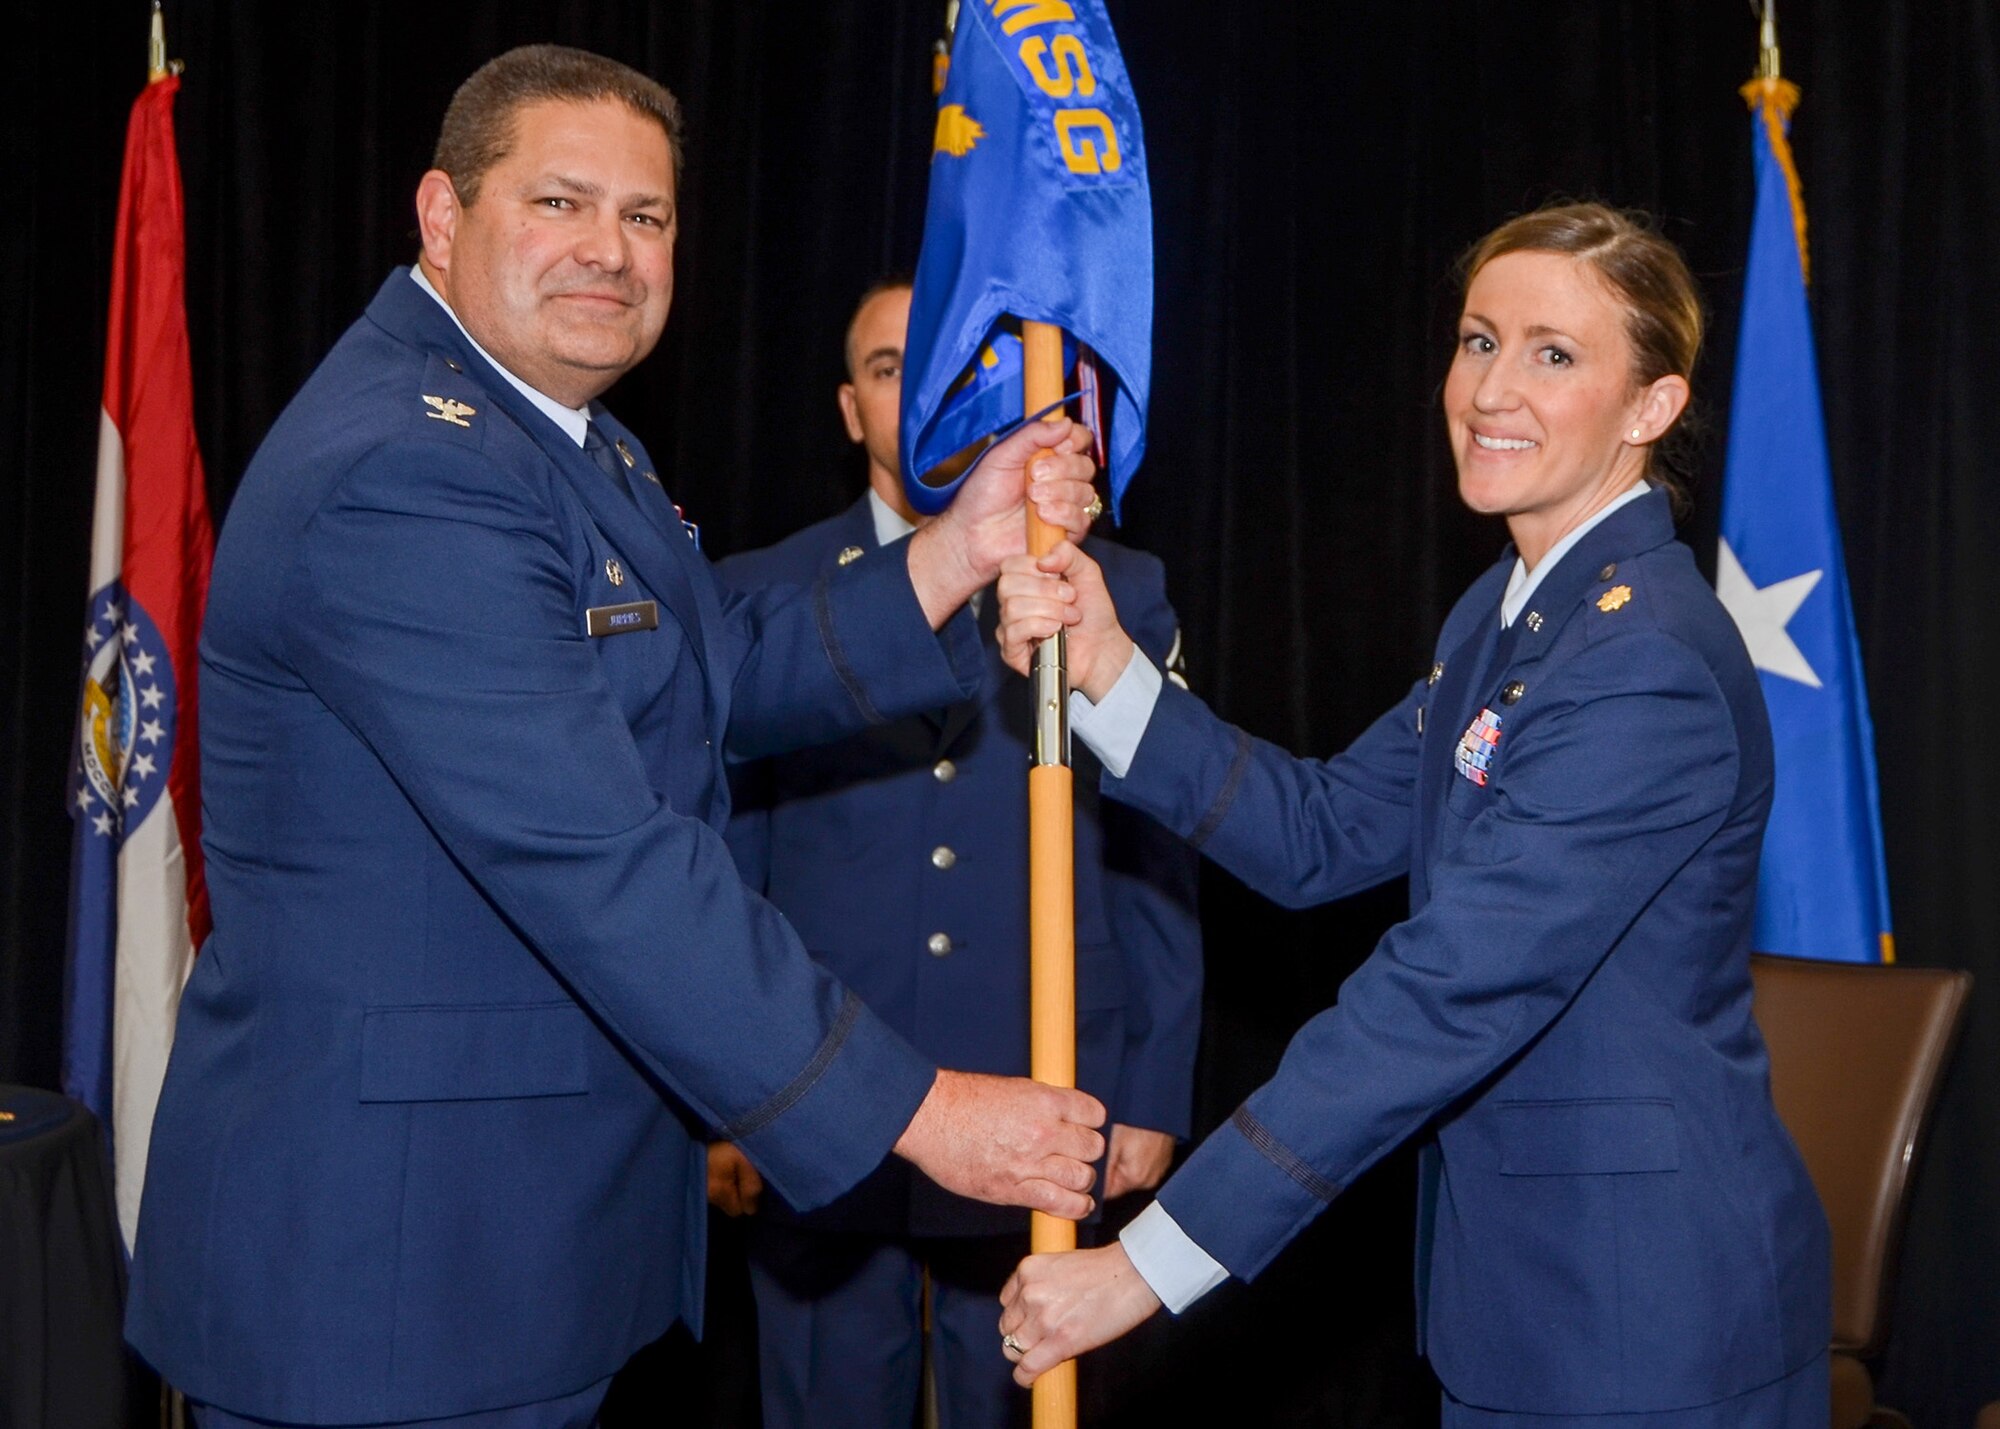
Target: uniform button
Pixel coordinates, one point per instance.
(1511, 695)
(942, 857)
(940, 945)
(1608, 572)
(453, 365)
(944, 771)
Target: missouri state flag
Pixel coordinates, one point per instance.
(1823, 891)
(1038, 210)
(138, 909)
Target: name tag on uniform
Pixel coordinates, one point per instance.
(618, 619)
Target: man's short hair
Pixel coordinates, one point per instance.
(888, 283)
(478, 126)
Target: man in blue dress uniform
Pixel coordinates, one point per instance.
(481, 959)
(900, 855)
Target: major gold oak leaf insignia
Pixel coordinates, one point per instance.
(449, 409)
(957, 132)
(1614, 598)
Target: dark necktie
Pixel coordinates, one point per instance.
(607, 460)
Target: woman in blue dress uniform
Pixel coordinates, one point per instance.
(1614, 1226)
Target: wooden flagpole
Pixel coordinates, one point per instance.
(1051, 834)
(1051, 867)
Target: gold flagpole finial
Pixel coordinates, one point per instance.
(158, 66)
(1772, 98)
(941, 51)
(156, 46)
(1767, 43)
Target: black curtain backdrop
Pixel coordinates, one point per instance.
(1315, 170)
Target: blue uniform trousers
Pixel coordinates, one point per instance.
(572, 1411)
(839, 1328)
(1798, 1401)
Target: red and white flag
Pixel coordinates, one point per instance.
(138, 907)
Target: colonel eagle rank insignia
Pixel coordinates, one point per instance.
(449, 409)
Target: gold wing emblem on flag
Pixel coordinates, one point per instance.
(957, 132)
(450, 409)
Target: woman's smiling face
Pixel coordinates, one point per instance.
(1540, 403)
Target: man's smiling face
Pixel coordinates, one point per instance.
(562, 267)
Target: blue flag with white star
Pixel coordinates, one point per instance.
(1039, 210)
(1823, 891)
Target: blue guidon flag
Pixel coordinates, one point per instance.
(1039, 211)
(1822, 889)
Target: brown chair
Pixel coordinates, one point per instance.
(1857, 1055)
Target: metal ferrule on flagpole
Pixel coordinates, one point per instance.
(1052, 701)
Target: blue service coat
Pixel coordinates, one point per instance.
(846, 841)
(1613, 1218)
(480, 952)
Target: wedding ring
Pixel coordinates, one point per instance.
(1008, 1342)
(1095, 509)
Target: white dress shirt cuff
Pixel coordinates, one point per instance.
(1113, 727)
(1177, 1270)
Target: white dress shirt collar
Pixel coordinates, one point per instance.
(890, 526)
(1521, 584)
(573, 420)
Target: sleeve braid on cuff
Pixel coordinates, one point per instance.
(1232, 784)
(836, 653)
(789, 1095)
(1281, 1155)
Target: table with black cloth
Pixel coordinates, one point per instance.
(62, 1274)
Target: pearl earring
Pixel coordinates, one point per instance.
(1635, 434)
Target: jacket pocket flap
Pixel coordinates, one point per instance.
(416, 1054)
(1585, 1138)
